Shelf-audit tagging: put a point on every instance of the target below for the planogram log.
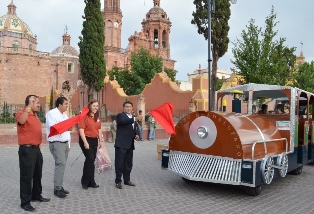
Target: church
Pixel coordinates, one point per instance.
(25, 70)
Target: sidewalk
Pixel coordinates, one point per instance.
(158, 191)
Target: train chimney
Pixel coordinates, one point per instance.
(236, 102)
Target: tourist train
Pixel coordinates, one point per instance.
(245, 147)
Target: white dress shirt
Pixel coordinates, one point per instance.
(130, 116)
(53, 117)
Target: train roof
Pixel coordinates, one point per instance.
(269, 91)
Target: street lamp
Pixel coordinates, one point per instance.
(211, 9)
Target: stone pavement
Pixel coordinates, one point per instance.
(157, 190)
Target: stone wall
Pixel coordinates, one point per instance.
(159, 91)
(23, 74)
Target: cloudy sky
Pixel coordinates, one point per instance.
(48, 18)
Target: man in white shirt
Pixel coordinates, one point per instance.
(59, 145)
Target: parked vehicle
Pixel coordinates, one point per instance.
(245, 148)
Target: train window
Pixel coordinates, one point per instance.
(302, 110)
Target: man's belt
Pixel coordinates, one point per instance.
(29, 145)
(58, 141)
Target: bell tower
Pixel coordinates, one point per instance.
(157, 26)
(113, 25)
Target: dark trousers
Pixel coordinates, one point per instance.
(123, 164)
(88, 178)
(31, 164)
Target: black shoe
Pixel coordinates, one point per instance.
(84, 186)
(28, 207)
(95, 186)
(129, 183)
(41, 199)
(59, 193)
(64, 191)
(119, 186)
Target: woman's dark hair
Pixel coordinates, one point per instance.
(96, 115)
(60, 101)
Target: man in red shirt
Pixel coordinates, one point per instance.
(30, 157)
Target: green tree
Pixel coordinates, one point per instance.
(219, 84)
(171, 73)
(144, 67)
(260, 58)
(92, 62)
(303, 77)
(219, 37)
(51, 99)
(130, 83)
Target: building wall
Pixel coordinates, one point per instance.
(24, 42)
(113, 96)
(60, 72)
(23, 74)
(167, 92)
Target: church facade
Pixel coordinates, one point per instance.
(25, 70)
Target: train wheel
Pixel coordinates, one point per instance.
(268, 169)
(253, 191)
(187, 180)
(282, 162)
(297, 171)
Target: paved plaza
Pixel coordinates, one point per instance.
(157, 190)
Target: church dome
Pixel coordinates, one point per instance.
(156, 9)
(156, 12)
(12, 23)
(66, 49)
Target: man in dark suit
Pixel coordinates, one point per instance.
(124, 144)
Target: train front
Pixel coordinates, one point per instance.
(227, 148)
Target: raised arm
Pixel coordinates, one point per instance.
(122, 120)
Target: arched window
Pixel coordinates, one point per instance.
(156, 39)
(15, 45)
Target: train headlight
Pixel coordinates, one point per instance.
(199, 132)
(202, 132)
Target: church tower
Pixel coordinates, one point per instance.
(157, 27)
(113, 24)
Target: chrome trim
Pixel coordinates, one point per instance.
(205, 132)
(258, 129)
(267, 141)
(206, 168)
(292, 118)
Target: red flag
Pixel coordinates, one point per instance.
(163, 115)
(65, 125)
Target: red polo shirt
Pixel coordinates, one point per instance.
(91, 128)
(29, 132)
